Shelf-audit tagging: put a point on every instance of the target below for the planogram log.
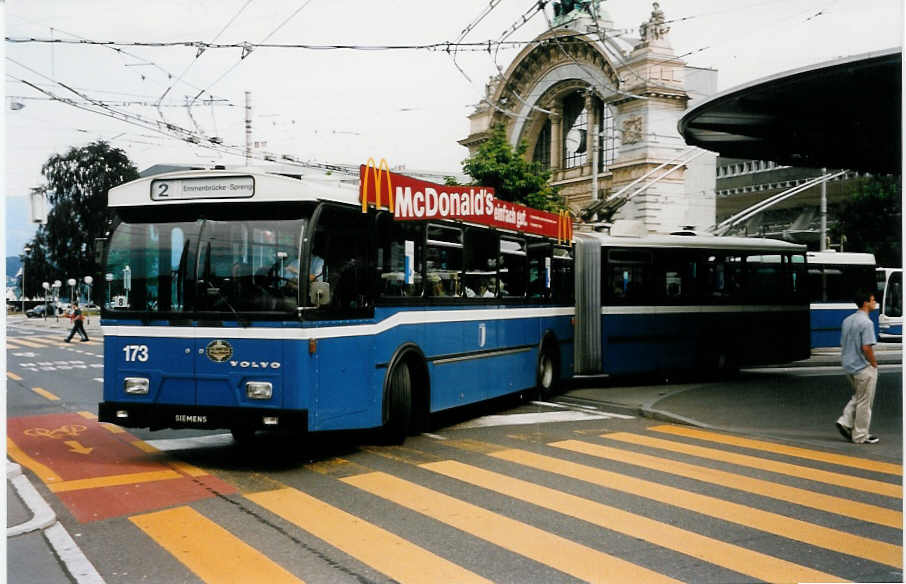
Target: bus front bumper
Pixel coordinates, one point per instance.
(160, 416)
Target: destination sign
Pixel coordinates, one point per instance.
(221, 187)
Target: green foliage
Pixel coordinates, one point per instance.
(451, 181)
(76, 188)
(871, 221)
(513, 178)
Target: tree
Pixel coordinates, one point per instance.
(76, 188)
(513, 178)
(871, 219)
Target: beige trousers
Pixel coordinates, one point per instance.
(857, 413)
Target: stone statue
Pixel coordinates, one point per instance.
(654, 28)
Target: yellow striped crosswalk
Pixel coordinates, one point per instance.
(755, 564)
(794, 470)
(210, 551)
(557, 552)
(368, 543)
(577, 482)
(806, 498)
(838, 459)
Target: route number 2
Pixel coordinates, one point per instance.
(136, 353)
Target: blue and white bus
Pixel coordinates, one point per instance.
(249, 301)
(833, 280)
(687, 302)
(211, 322)
(890, 302)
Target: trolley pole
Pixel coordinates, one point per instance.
(822, 245)
(248, 127)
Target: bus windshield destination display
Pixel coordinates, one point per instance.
(411, 199)
(235, 187)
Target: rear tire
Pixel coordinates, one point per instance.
(399, 396)
(548, 371)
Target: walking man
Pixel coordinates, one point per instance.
(861, 368)
(77, 326)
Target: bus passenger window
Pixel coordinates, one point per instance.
(341, 241)
(399, 258)
(893, 297)
(512, 267)
(629, 276)
(480, 278)
(443, 260)
(764, 281)
(563, 282)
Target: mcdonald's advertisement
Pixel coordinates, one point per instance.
(412, 199)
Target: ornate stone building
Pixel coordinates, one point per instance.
(581, 80)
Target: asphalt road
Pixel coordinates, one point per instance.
(575, 489)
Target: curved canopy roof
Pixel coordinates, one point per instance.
(839, 114)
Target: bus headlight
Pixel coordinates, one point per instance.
(259, 389)
(136, 385)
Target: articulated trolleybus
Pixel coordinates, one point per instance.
(251, 301)
(666, 303)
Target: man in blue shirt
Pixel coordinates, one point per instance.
(861, 368)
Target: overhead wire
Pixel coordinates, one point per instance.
(247, 50)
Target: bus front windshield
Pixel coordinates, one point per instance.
(205, 265)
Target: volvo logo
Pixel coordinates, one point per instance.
(256, 364)
(219, 351)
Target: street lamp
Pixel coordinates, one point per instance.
(46, 286)
(88, 280)
(24, 261)
(56, 295)
(71, 283)
(109, 278)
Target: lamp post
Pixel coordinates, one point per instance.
(109, 278)
(88, 280)
(56, 296)
(24, 261)
(46, 286)
(71, 282)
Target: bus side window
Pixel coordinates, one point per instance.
(563, 282)
(797, 283)
(480, 278)
(678, 285)
(339, 255)
(400, 251)
(629, 276)
(512, 267)
(443, 261)
(893, 298)
(764, 278)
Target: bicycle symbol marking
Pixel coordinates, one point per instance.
(65, 431)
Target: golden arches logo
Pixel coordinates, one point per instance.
(378, 172)
(564, 227)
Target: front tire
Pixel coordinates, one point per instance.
(399, 396)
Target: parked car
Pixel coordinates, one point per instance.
(36, 312)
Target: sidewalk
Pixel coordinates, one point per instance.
(38, 547)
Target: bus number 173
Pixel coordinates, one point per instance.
(136, 353)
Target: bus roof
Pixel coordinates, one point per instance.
(697, 242)
(841, 258)
(241, 185)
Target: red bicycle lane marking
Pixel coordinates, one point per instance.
(98, 474)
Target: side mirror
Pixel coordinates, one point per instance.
(100, 245)
(319, 293)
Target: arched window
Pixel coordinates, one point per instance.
(542, 152)
(575, 131)
(608, 139)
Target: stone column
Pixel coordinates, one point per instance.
(556, 136)
(591, 129)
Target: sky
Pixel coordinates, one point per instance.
(342, 106)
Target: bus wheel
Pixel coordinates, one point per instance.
(548, 375)
(399, 395)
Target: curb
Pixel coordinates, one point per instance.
(44, 518)
(42, 515)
